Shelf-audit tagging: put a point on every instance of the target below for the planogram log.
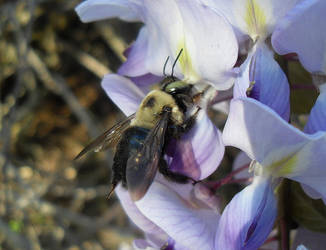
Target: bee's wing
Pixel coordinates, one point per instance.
(108, 138)
(142, 166)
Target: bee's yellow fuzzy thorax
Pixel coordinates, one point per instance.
(151, 107)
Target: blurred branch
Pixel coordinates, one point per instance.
(57, 85)
(114, 42)
(88, 61)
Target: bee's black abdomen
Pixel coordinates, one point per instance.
(131, 141)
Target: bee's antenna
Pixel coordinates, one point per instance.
(175, 62)
(166, 61)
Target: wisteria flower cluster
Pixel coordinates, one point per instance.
(229, 44)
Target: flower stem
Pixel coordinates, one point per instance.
(283, 222)
(228, 179)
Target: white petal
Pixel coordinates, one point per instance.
(209, 58)
(259, 131)
(281, 149)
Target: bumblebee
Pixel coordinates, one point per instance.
(142, 137)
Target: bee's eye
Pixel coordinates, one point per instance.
(167, 109)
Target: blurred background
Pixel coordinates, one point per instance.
(51, 66)
(52, 104)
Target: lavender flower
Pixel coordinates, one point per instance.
(282, 152)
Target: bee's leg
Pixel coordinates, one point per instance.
(164, 170)
(189, 123)
(177, 130)
(117, 177)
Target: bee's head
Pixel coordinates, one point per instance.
(177, 87)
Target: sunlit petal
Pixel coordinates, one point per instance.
(279, 148)
(261, 130)
(187, 28)
(257, 18)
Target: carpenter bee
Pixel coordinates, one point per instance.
(142, 137)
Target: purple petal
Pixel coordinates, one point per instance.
(271, 85)
(248, 219)
(303, 31)
(317, 117)
(185, 224)
(123, 92)
(198, 153)
(134, 214)
(137, 53)
(94, 10)
(145, 81)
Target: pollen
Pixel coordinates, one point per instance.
(186, 64)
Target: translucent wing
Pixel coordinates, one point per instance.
(142, 166)
(108, 138)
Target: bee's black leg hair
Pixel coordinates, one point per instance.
(117, 177)
(179, 178)
(189, 123)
